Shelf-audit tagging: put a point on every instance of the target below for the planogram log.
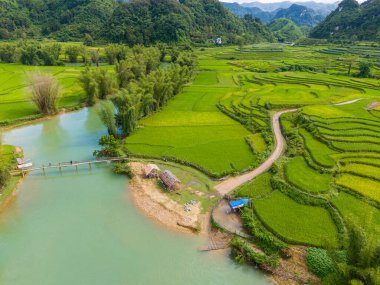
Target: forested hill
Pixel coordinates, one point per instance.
(131, 22)
(351, 21)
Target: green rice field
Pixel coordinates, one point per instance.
(220, 124)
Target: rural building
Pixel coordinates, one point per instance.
(170, 181)
(237, 204)
(151, 170)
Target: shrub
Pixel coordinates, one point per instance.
(319, 262)
(242, 252)
(45, 92)
(4, 175)
(123, 168)
(111, 147)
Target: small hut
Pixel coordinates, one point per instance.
(237, 204)
(151, 170)
(170, 181)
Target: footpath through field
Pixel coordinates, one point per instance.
(233, 182)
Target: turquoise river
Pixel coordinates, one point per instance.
(81, 228)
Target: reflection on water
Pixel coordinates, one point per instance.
(81, 228)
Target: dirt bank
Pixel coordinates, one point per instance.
(149, 198)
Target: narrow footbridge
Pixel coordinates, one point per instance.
(61, 165)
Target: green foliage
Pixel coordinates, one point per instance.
(122, 168)
(319, 262)
(351, 21)
(285, 30)
(364, 70)
(110, 147)
(72, 52)
(105, 83)
(115, 53)
(242, 252)
(45, 92)
(4, 175)
(88, 40)
(127, 106)
(131, 22)
(106, 113)
(361, 261)
(89, 85)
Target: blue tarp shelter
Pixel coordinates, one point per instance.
(238, 203)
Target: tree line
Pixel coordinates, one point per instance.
(55, 54)
(137, 87)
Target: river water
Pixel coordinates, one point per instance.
(81, 228)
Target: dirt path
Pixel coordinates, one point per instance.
(233, 182)
(347, 102)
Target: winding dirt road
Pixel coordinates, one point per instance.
(233, 182)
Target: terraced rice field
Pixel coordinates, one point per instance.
(349, 141)
(296, 222)
(336, 147)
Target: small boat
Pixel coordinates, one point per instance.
(25, 165)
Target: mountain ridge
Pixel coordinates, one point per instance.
(351, 21)
(131, 22)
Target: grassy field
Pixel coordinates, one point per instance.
(15, 103)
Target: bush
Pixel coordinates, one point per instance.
(4, 176)
(319, 262)
(242, 252)
(45, 93)
(123, 168)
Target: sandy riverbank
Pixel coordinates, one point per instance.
(149, 198)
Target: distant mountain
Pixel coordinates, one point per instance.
(240, 11)
(321, 8)
(299, 14)
(285, 30)
(131, 22)
(351, 21)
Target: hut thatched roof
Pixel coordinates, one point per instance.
(169, 179)
(149, 168)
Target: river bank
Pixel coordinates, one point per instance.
(9, 189)
(149, 199)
